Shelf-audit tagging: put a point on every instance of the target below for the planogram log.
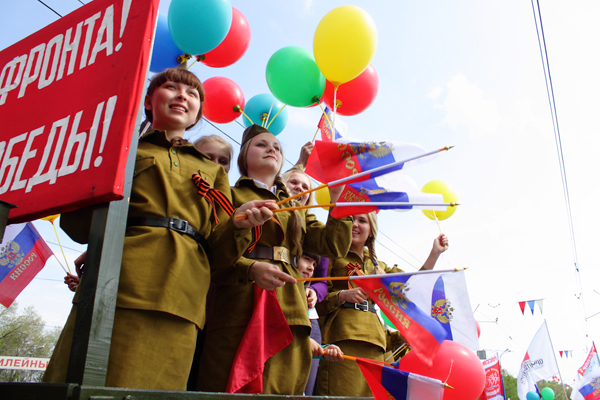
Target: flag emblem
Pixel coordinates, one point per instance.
(11, 255)
(442, 311)
(595, 383)
(373, 149)
(398, 292)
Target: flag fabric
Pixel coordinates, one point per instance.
(23, 253)
(539, 363)
(387, 383)
(522, 305)
(592, 362)
(494, 385)
(531, 304)
(393, 187)
(389, 291)
(267, 333)
(587, 388)
(446, 298)
(330, 161)
(341, 128)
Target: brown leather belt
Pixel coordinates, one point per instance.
(174, 224)
(365, 306)
(275, 253)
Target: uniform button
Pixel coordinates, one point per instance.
(238, 235)
(175, 163)
(173, 151)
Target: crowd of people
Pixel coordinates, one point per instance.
(195, 248)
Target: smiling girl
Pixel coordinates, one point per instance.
(271, 265)
(172, 231)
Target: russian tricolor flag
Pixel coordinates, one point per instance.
(446, 297)
(330, 161)
(23, 253)
(390, 293)
(385, 382)
(396, 187)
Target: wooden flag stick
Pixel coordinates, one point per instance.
(323, 185)
(359, 204)
(325, 278)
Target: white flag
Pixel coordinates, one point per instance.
(445, 298)
(539, 363)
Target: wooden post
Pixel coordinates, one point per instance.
(4, 210)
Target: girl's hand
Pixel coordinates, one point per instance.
(257, 212)
(440, 244)
(315, 349)
(72, 281)
(311, 297)
(268, 276)
(334, 193)
(356, 295)
(304, 154)
(333, 353)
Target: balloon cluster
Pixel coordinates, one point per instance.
(218, 35)
(343, 47)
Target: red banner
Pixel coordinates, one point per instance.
(69, 96)
(494, 387)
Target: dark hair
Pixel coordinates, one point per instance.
(315, 257)
(180, 76)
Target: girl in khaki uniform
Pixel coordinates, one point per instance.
(165, 273)
(350, 319)
(271, 266)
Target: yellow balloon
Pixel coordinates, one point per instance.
(450, 196)
(50, 218)
(344, 43)
(322, 197)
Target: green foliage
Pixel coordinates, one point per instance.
(510, 385)
(559, 392)
(24, 335)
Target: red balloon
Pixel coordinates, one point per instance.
(233, 47)
(221, 95)
(454, 362)
(355, 96)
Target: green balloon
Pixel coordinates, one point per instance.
(294, 78)
(547, 393)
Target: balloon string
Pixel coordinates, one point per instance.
(439, 227)
(268, 115)
(449, 372)
(195, 61)
(276, 115)
(61, 248)
(249, 119)
(334, 111)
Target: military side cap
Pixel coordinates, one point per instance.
(252, 131)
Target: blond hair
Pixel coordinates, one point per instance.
(215, 138)
(298, 169)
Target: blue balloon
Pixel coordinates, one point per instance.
(532, 396)
(258, 107)
(165, 52)
(198, 26)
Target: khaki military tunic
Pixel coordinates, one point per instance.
(163, 272)
(232, 306)
(357, 333)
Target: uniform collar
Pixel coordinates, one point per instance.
(159, 138)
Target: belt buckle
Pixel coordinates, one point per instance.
(362, 306)
(178, 225)
(281, 254)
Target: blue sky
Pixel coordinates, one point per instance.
(464, 73)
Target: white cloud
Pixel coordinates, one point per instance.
(466, 107)
(435, 92)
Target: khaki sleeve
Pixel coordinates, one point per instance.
(233, 274)
(331, 240)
